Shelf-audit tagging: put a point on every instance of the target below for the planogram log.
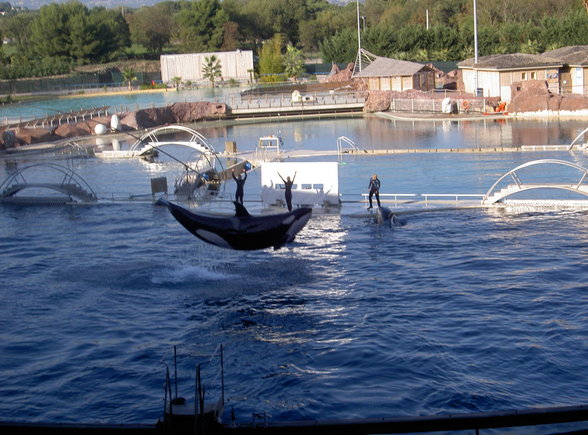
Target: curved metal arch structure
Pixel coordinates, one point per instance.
(152, 141)
(199, 181)
(583, 146)
(493, 195)
(68, 183)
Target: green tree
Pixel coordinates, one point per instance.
(83, 36)
(262, 19)
(73, 32)
(270, 58)
(293, 62)
(381, 40)
(326, 23)
(212, 69)
(17, 29)
(201, 26)
(151, 26)
(49, 32)
(113, 33)
(341, 47)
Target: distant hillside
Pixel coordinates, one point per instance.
(111, 4)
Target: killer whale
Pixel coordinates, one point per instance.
(384, 216)
(242, 231)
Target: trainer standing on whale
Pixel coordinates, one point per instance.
(374, 189)
(240, 180)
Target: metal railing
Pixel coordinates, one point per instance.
(456, 196)
(394, 197)
(268, 101)
(434, 105)
(387, 196)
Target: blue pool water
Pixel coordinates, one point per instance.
(116, 102)
(451, 312)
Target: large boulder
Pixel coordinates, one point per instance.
(574, 102)
(176, 113)
(453, 80)
(535, 96)
(377, 101)
(192, 112)
(339, 75)
(70, 130)
(27, 136)
(147, 118)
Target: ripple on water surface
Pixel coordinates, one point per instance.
(450, 312)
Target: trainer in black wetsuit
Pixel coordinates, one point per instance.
(374, 188)
(288, 192)
(240, 184)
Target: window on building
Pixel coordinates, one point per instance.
(524, 76)
(533, 75)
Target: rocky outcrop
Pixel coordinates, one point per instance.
(70, 130)
(141, 119)
(534, 96)
(192, 112)
(146, 118)
(176, 113)
(27, 136)
(453, 80)
(339, 75)
(377, 101)
(344, 77)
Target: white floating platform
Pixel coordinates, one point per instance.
(118, 154)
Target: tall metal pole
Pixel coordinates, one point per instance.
(475, 48)
(475, 34)
(358, 38)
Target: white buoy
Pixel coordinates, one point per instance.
(100, 129)
(114, 123)
(446, 105)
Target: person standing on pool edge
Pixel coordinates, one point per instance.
(240, 180)
(374, 189)
(288, 186)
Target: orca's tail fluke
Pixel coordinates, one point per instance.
(240, 210)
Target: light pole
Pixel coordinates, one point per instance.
(358, 37)
(475, 48)
(475, 34)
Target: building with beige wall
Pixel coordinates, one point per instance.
(492, 76)
(573, 76)
(236, 65)
(384, 74)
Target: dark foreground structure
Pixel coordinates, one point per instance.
(206, 424)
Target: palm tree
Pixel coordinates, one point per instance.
(211, 69)
(177, 81)
(293, 62)
(129, 76)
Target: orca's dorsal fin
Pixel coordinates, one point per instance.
(240, 210)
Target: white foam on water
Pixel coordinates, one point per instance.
(186, 273)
